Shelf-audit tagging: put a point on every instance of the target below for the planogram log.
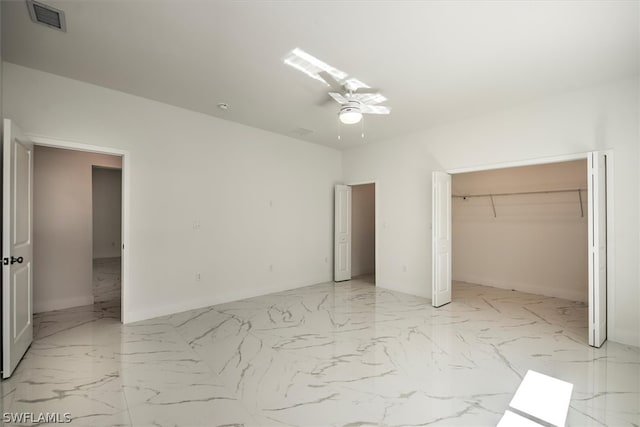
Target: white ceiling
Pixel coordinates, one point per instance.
(434, 61)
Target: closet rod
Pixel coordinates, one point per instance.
(520, 193)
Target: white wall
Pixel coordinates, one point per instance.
(1, 66)
(599, 118)
(107, 212)
(62, 230)
(363, 230)
(264, 202)
(535, 243)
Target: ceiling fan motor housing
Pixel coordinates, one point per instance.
(351, 106)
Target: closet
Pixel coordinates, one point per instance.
(523, 229)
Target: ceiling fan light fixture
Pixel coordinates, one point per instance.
(350, 115)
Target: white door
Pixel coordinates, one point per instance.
(342, 238)
(597, 222)
(17, 247)
(441, 239)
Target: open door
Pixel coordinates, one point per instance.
(17, 247)
(342, 237)
(441, 239)
(597, 223)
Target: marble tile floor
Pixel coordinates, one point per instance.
(106, 281)
(346, 354)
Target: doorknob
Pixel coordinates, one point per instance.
(13, 260)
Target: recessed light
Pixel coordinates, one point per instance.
(223, 106)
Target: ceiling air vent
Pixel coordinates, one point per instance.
(47, 15)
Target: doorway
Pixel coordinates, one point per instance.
(593, 218)
(18, 236)
(355, 232)
(107, 238)
(363, 242)
(77, 215)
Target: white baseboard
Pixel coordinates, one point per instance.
(62, 303)
(107, 255)
(153, 312)
(626, 337)
(556, 292)
(422, 291)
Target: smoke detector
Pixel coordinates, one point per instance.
(47, 15)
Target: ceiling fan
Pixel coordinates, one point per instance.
(355, 97)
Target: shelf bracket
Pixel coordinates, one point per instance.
(493, 206)
(581, 207)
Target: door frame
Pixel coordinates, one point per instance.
(376, 219)
(610, 209)
(126, 186)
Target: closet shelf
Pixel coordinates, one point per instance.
(523, 193)
(520, 193)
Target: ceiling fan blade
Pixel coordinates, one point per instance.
(366, 90)
(369, 98)
(375, 109)
(338, 97)
(332, 82)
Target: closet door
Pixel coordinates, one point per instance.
(441, 239)
(597, 222)
(342, 236)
